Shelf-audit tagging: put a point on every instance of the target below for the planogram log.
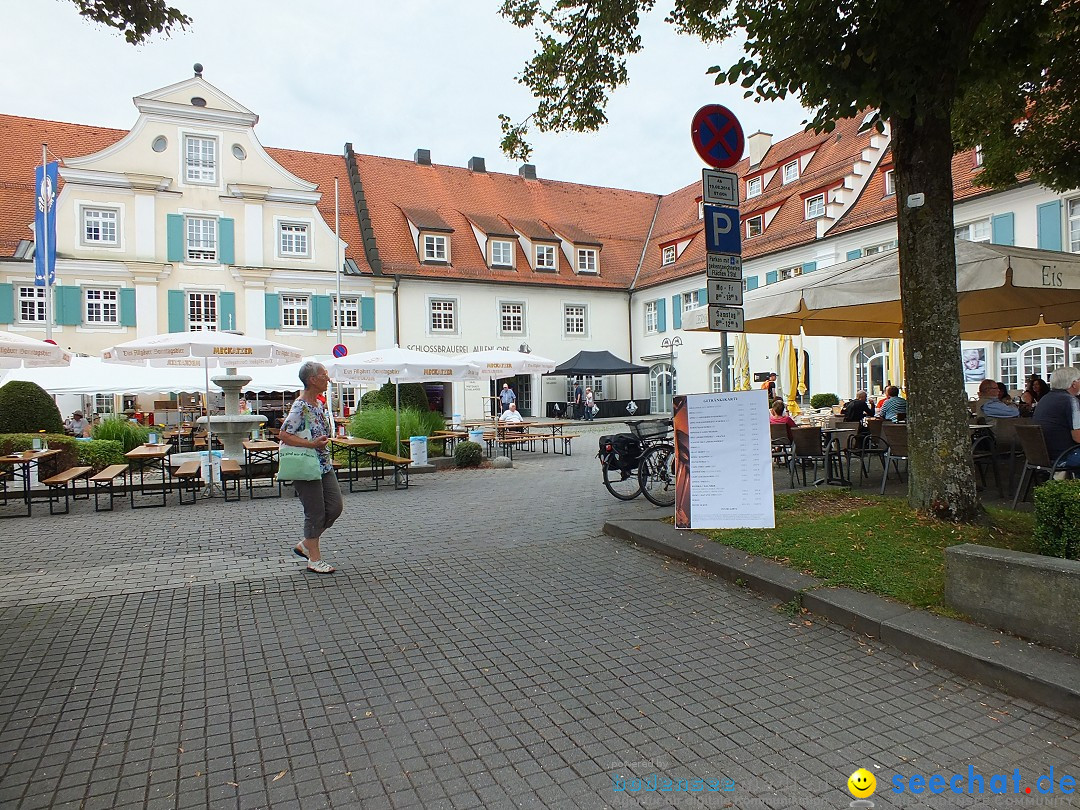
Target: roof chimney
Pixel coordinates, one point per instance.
(527, 171)
(422, 157)
(759, 143)
(476, 164)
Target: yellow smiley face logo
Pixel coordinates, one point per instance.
(861, 783)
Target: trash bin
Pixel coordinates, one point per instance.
(456, 421)
(418, 449)
(477, 436)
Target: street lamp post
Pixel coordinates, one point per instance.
(671, 344)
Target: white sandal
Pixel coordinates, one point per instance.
(320, 567)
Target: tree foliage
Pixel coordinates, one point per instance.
(137, 20)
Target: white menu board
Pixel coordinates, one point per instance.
(724, 474)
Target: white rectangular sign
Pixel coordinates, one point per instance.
(728, 293)
(719, 187)
(723, 265)
(726, 319)
(723, 476)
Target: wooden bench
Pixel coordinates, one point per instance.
(400, 465)
(508, 441)
(106, 480)
(189, 474)
(66, 482)
(564, 438)
(230, 474)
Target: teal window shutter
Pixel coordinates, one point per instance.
(321, 315)
(177, 311)
(1002, 229)
(68, 305)
(676, 312)
(367, 314)
(1049, 221)
(751, 283)
(227, 310)
(273, 311)
(703, 296)
(226, 241)
(661, 315)
(7, 303)
(174, 234)
(809, 267)
(854, 254)
(771, 277)
(127, 306)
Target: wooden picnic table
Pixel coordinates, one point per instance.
(21, 466)
(142, 459)
(355, 447)
(256, 452)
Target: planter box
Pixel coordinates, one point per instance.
(1030, 595)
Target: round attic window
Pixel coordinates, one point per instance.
(160, 144)
(238, 152)
(198, 101)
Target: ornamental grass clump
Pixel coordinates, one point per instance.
(120, 429)
(378, 424)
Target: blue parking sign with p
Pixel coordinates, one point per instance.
(722, 233)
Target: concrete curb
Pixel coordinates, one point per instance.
(1019, 668)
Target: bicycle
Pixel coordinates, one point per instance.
(651, 471)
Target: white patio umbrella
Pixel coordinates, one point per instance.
(397, 365)
(17, 351)
(208, 349)
(498, 363)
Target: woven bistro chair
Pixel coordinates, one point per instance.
(781, 444)
(895, 438)
(806, 449)
(1037, 459)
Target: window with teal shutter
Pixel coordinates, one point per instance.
(661, 315)
(751, 283)
(703, 296)
(226, 241)
(1002, 228)
(367, 314)
(227, 310)
(7, 303)
(127, 306)
(771, 277)
(854, 254)
(809, 267)
(174, 235)
(321, 313)
(177, 301)
(676, 312)
(69, 305)
(273, 311)
(1049, 222)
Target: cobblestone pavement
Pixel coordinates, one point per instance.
(482, 645)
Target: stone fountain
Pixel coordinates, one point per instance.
(233, 427)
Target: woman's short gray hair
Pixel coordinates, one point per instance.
(1062, 378)
(309, 370)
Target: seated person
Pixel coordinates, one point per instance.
(778, 417)
(894, 407)
(855, 410)
(1059, 415)
(77, 425)
(511, 415)
(990, 404)
(1026, 404)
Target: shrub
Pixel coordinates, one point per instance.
(378, 424)
(824, 400)
(25, 407)
(100, 453)
(372, 399)
(468, 454)
(68, 447)
(1057, 519)
(412, 396)
(118, 429)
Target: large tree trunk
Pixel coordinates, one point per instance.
(942, 479)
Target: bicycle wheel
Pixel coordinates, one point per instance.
(623, 484)
(656, 474)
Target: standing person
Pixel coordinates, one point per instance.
(1059, 415)
(770, 386)
(307, 426)
(577, 399)
(506, 396)
(589, 402)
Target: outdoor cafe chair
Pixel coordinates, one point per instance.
(983, 455)
(1036, 459)
(781, 444)
(806, 449)
(895, 439)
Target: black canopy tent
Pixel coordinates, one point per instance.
(599, 364)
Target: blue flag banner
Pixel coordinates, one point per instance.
(45, 223)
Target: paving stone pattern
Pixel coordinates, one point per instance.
(482, 645)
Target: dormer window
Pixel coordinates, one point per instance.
(890, 183)
(753, 187)
(502, 253)
(436, 248)
(815, 206)
(586, 260)
(978, 155)
(791, 172)
(545, 257)
(667, 255)
(200, 159)
(754, 226)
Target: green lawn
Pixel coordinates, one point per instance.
(873, 544)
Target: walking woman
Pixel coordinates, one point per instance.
(307, 426)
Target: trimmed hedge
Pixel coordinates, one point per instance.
(412, 397)
(68, 447)
(824, 400)
(100, 453)
(468, 454)
(1057, 519)
(26, 407)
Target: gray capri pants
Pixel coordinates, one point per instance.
(322, 503)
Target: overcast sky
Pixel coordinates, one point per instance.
(388, 76)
